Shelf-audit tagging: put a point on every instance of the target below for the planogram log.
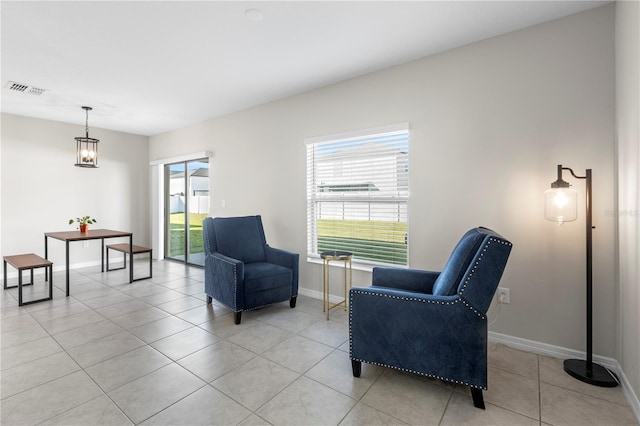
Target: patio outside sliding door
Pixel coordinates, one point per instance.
(186, 206)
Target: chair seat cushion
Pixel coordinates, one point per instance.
(261, 276)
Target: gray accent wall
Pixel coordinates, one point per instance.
(489, 122)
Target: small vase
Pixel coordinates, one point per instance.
(84, 228)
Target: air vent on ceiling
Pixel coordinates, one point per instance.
(24, 88)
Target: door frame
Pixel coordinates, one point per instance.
(158, 199)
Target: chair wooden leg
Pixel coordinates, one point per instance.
(478, 399)
(292, 302)
(209, 299)
(356, 366)
(237, 317)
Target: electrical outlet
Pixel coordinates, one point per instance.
(504, 295)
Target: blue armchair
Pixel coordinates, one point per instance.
(429, 323)
(241, 270)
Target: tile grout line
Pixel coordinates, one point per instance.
(335, 349)
(80, 367)
(539, 392)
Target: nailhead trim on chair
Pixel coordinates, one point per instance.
(414, 299)
(464, 302)
(403, 369)
(235, 285)
(439, 302)
(433, 376)
(473, 270)
(399, 368)
(235, 291)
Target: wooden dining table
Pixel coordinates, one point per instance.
(92, 234)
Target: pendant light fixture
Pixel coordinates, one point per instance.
(86, 147)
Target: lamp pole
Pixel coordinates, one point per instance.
(588, 371)
(589, 225)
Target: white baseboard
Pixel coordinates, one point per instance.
(318, 295)
(632, 398)
(538, 348)
(511, 341)
(565, 353)
(550, 350)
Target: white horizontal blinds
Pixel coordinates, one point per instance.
(357, 195)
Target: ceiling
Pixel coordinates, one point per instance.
(148, 67)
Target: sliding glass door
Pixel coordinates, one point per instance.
(186, 206)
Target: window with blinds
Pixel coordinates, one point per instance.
(358, 193)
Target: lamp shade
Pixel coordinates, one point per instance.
(86, 152)
(560, 205)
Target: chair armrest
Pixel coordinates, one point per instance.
(438, 336)
(281, 257)
(224, 280)
(404, 279)
(285, 258)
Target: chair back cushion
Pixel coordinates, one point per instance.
(460, 259)
(240, 238)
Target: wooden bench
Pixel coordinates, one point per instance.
(124, 248)
(28, 261)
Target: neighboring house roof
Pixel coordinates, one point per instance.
(200, 172)
(353, 151)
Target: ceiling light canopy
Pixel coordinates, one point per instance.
(254, 15)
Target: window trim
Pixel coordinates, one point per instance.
(358, 264)
(358, 133)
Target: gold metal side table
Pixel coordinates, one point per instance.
(329, 256)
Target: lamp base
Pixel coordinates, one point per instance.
(598, 376)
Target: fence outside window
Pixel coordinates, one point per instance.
(358, 194)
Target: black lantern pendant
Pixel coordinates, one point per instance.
(86, 147)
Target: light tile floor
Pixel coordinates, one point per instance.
(154, 353)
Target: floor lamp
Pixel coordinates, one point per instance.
(561, 206)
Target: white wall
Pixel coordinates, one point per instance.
(42, 189)
(489, 123)
(628, 146)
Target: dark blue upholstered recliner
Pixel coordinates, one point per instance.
(241, 271)
(431, 323)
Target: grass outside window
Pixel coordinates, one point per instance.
(375, 241)
(177, 233)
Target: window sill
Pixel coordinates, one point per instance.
(356, 266)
